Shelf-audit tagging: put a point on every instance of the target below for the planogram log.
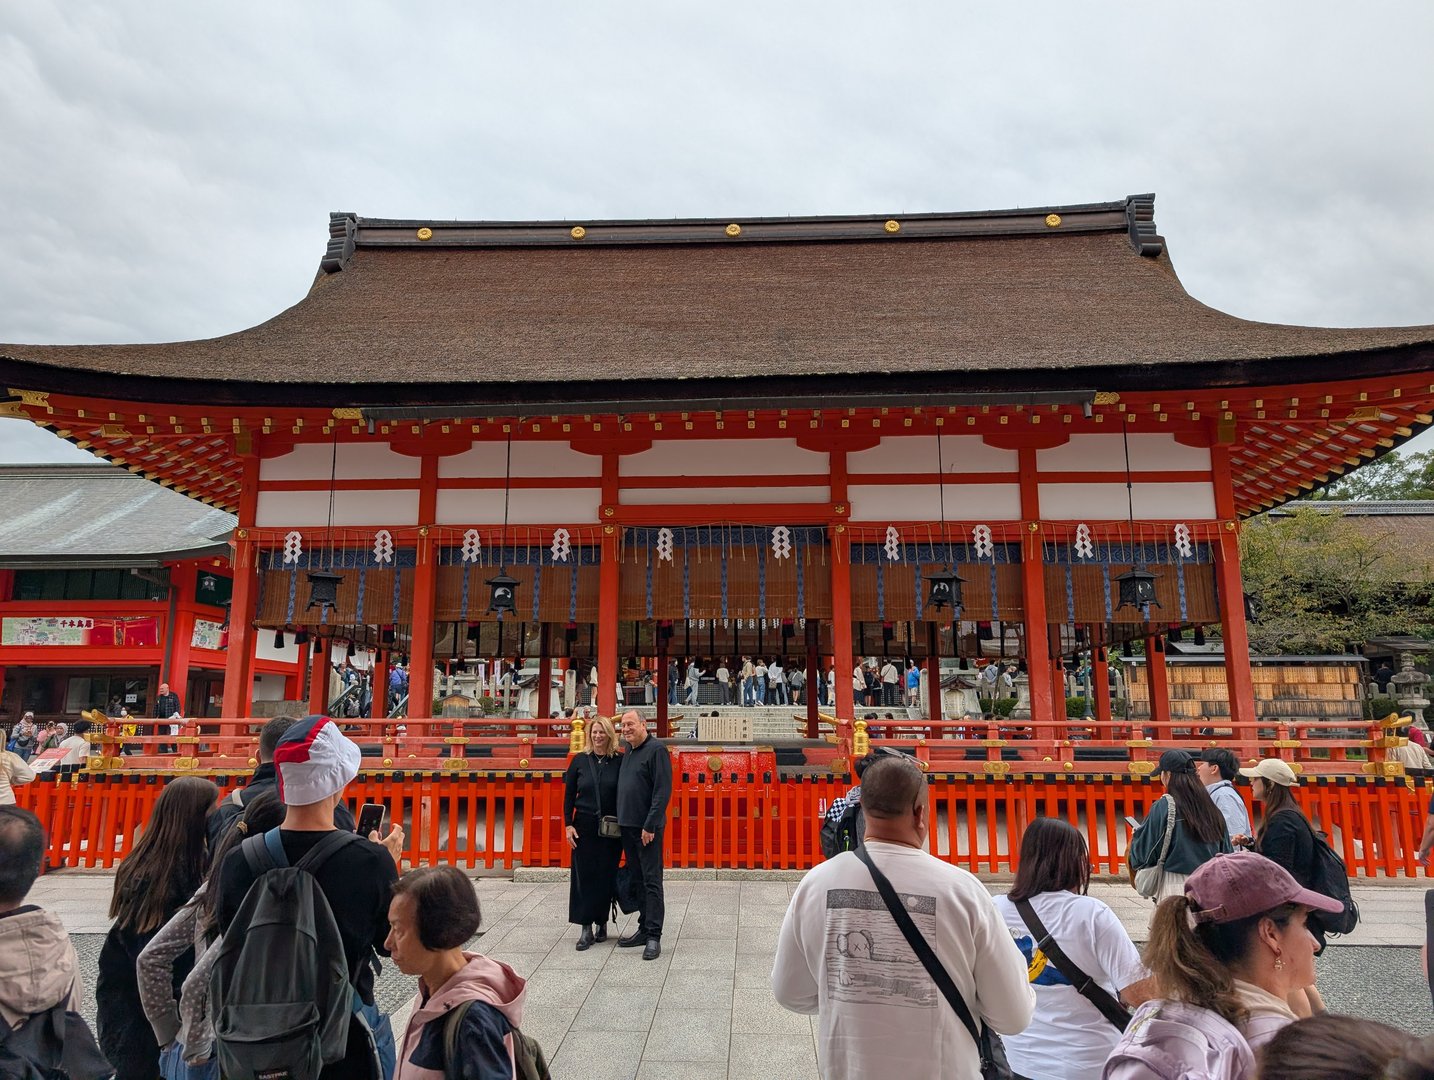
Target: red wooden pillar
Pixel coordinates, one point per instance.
(1231, 589)
(1159, 681)
(934, 709)
(175, 671)
(425, 595)
(545, 671)
(809, 691)
(1033, 594)
(842, 659)
(244, 602)
(319, 676)
(378, 685)
(607, 628)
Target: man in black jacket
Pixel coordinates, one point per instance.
(265, 778)
(644, 788)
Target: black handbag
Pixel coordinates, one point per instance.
(1085, 986)
(993, 1053)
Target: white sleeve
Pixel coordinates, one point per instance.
(1004, 998)
(1116, 954)
(794, 983)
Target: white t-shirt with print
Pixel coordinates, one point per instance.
(1069, 1039)
(841, 956)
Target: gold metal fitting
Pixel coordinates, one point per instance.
(425, 233)
(577, 232)
(577, 737)
(734, 229)
(1053, 220)
(892, 226)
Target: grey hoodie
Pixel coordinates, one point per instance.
(37, 964)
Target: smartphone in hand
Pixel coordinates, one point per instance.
(1132, 822)
(370, 819)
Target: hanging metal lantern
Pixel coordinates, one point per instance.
(502, 597)
(228, 606)
(945, 588)
(1199, 635)
(324, 589)
(278, 639)
(1252, 608)
(302, 637)
(1137, 588)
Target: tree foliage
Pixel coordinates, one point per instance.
(1324, 585)
(1394, 476)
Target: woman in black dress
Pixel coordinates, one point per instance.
(589, 795)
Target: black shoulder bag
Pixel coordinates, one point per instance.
(993, 1054)
(1085, 986)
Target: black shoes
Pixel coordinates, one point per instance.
(653, 950)
(632, 941)
(600, 931)
(585, 939)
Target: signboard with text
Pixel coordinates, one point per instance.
(136, 632)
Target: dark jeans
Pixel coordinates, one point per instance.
(646, 861)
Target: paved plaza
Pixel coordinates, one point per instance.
(704, 1009)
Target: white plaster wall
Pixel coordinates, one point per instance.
(723, 457)
(356, 461)
(1105, 453)
(282, 509)
(527, 506)
(917, 454)
(529, 459)
(264, 648)
(1106, 502)
(756, 495)
(268, 688)
(921, 502)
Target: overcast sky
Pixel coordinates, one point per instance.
(167, 168)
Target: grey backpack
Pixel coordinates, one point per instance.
(280, 993)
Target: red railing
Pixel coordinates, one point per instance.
(1087, 746)
(741, 820)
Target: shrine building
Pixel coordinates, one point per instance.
(966, 436)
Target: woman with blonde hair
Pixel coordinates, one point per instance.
(591, 829)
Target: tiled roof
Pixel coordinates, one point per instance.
(1049, 299)
(79, 513)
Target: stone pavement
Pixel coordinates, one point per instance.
(704, 1009)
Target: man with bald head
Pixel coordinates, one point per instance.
(842, 956)
(644, 788)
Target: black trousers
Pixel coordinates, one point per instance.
(646, 862)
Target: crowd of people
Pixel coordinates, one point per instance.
(247, 930)
(1045, 983)
(247, 934)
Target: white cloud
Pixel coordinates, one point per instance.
(170, 167)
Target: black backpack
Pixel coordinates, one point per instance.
(53, 1045)
(528, 1059)
(1330, 877)
(844, 833)
(280, 993)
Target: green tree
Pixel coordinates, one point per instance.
(1394, 476)
(1325, 585)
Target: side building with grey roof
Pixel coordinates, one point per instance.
(109, 586)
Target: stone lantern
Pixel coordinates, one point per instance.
(1409, 686)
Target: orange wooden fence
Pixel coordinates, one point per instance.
(741, 820)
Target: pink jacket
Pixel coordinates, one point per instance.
(482, 979)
